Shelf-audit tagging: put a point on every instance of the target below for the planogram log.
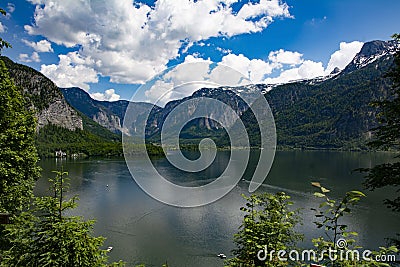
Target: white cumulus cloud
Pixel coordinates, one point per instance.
(254, 69)
(108, 95)
(307, 70)
(41, 46)
(34, 57)
(344, 55)
(294, 66)
(290, 66)
(160, 93)
(131, 42)
(71, 71)
(181, 81)
(285, 57)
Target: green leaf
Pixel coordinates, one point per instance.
(316, 184)
(324, 190)
(323, 204)
(317, 194)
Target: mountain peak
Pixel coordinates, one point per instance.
(370, 52)
(335, 71)
(376, 47)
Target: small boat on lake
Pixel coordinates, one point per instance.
(221, 256)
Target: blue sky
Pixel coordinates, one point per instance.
(109, 48)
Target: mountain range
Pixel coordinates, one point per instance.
(331, 112)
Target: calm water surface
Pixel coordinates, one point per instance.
(143, 230)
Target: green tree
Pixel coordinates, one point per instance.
(338, 248)
(51, 238)
(268, 221)
(18, 157)
(387, 135)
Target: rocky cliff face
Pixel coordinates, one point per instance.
(93, 109)
(44, 97)
(225, 95)
(108, 114)
(61, 114)
(110, 121)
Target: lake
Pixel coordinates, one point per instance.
(143, 230)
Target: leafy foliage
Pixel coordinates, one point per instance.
(17, 155)
(45, 236)
(18, 170)
(269, 226)
(267, 221)
(340, 241)
(331, 212)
